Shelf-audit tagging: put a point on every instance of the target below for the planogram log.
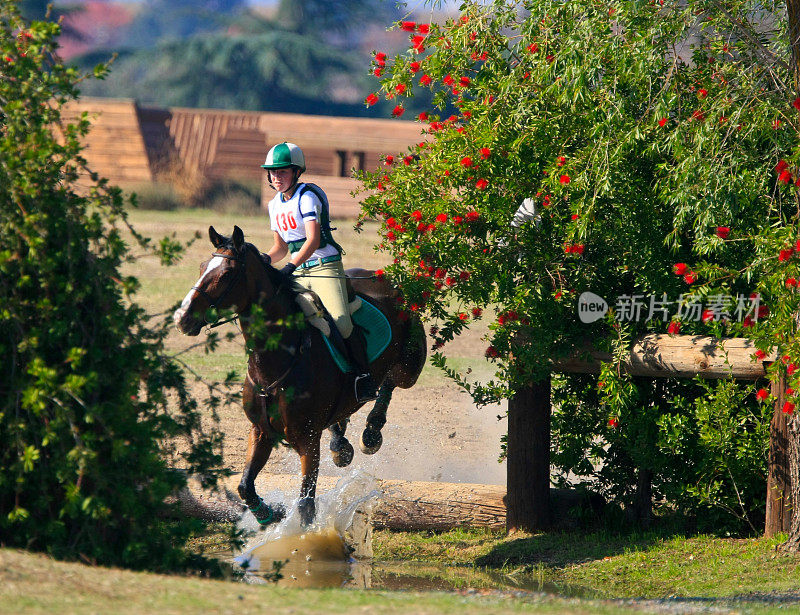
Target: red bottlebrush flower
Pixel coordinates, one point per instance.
(564, 179)
(408, 160)
(723, 232)
(533, 47)
(481, 184)
(485, 153)
(789, 392)
(476, 312)
(449, 281)
(379, 273)
(466, 162)
(457, 220)
(378, 71)
(797, 245)
(788, 407)
(674, 327)
(501, 320)
(388, 160)
(391, 236)
(467, 114)
(408, 26)
(549, 57)
(434, 330)
(463, 316)
(380, 58)
(578, 248)
(791, 282)
(464, 81)
(448, 80)
(776, 124)
(791, 369)
(748, 321)
(391, 222)
(440, 273)
(464, 275)
(796, 103)
(417, 215)
(491, 353)
(414, 307)
(698, 115)
(759, 355)
(781, 166)
(400, 88)
(425, 80)
(371, 99)
(424, 28)
(662, 122)
(423, 117)
(785, 177)
(574, 216)
(561, 161)
(558, 295)
(613, 422)
(702, 92)
(418, 43)
(763, 311)
(441, 218)
(785, 255)
(398, 111)
(472, 216)
(708, 315)
(762, 394)
(414, 66)
(690, 278)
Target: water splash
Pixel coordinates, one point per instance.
(319, 555)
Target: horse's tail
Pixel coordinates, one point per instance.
(413, 352)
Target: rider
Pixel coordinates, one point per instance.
(300, 226)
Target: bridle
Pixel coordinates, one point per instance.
(239, 267)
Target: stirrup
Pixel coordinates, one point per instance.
(365, 389)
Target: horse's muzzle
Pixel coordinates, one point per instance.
(186, 322)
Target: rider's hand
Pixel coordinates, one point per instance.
(288, 268)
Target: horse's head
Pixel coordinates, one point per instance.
(223, 282)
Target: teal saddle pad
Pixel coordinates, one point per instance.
(377, 331)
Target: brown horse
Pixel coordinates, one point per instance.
(294, 390)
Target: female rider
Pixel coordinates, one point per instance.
(299, 221)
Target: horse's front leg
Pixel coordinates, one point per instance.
(259, 447)
(309, 466)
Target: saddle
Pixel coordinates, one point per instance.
(376, 328)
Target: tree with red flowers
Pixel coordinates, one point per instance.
(658, 166)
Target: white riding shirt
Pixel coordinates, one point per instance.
(288, 218)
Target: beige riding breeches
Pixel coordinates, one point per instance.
(332, 291)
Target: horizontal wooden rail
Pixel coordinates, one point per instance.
(679, 356)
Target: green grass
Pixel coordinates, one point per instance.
(608, 565)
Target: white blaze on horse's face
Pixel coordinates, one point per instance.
(212, 264)
(179, 314)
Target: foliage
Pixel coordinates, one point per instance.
(647, 134)
(97, 425)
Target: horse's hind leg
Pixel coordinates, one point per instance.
(309, 466)
(259, 447)
(341, 449)
(372, 439)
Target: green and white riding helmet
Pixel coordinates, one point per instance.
(285, 155)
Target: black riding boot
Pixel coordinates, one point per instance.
(365, 387)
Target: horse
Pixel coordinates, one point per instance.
(294, 390)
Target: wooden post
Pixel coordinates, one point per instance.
(779, 510)
(528, 459)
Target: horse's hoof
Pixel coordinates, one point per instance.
(371, 440)
(266, 514)
(342, 453)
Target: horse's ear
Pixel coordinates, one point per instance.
(216, 239)
(238, 239)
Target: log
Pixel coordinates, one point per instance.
(678, 356)
(404, 505)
